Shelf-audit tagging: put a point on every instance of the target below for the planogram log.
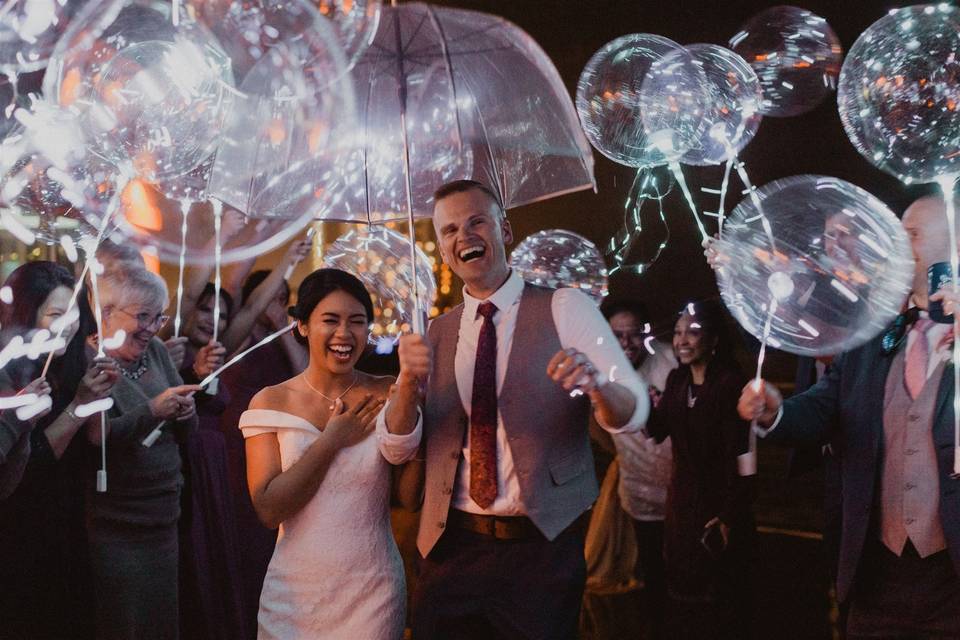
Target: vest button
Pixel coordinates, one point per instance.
(909, 520)
(441, 524)
(447, 491)
(910, 452)
(908, 486)
(455, 455)
(913, 417)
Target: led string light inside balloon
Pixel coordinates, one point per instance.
(620, 244)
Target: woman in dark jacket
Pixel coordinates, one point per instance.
(44, 564)
(709, 522)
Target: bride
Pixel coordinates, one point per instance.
(315, 469)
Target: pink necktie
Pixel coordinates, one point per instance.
(918, 356)
(483, 413)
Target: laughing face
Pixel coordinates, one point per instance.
(337, 331)
(473, 236)
(199, 327)
(691, 344)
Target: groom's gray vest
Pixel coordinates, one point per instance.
(546, 428)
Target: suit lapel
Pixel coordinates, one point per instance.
(942, 418)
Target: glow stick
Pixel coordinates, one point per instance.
(155, 434)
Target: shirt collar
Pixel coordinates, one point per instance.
(503, 298)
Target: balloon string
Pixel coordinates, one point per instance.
(210, 379)
(98, 316)
(747, 462)
(755, 199)
(946, 186)
(91, 251)
(678, 174)
(184, 209)
(724, 185)
(217, 280)
(175, 14)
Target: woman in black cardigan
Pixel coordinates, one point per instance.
(709, 522)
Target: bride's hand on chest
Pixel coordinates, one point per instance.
(350, 425)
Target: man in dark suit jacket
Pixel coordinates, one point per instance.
(889, 412)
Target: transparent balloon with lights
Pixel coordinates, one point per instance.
(732, 115)
(899, 92)
(557, 258)
(829, 259)
(29, 31)
(152, 87)
(635, 111)
(795, 54)
(380, 258)
(355, 23)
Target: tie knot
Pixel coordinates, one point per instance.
(487, 309)
(923, 324)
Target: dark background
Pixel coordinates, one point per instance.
(570, 33)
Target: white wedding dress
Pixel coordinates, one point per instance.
(336, 572)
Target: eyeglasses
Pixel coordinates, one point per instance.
(146, 320)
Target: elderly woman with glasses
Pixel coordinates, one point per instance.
(132, 527)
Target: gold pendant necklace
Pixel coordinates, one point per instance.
(332, 401)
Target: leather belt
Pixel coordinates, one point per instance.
(499, 527)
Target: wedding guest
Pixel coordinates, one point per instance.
(887, 405)
(709, 520)
(44, 563)
(210, 578)
(132, 526)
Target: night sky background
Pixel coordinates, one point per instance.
(570, 32)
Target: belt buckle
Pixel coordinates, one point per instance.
(500, 529)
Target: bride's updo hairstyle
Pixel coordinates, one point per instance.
(321, 283)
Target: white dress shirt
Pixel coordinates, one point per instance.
(579, 326)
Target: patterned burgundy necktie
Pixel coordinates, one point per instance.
(483, 413)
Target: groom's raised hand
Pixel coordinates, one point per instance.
(416, 359)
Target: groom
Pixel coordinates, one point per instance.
(511, 377)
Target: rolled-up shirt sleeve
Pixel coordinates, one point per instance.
(581, 326)
(397, 448)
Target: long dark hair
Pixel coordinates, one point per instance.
(31, 284)
(714, 322)
(321, 283)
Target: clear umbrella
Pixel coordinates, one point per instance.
(442, 94)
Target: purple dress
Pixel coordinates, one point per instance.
(265, 367)
(210, 579)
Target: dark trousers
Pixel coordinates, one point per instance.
(474, 586)
(651, 567)
(904, 597)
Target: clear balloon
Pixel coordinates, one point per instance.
(29, 31)
(293, 96)
(733, 111)
(623, 98)
(899, 92)
(355, 22)
(380, 258)
(557, 258)
(831, 257)
(795, 54)
(152, 89)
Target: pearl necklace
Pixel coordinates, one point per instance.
(332, 401)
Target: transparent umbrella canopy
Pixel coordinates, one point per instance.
(441, 94)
